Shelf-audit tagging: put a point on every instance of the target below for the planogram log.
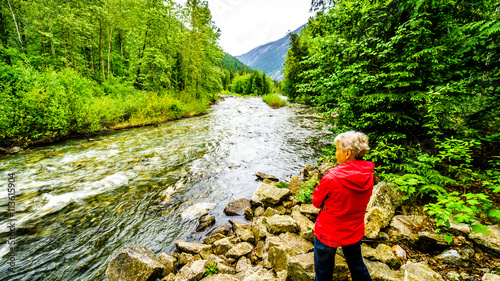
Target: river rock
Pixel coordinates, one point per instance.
(220, 277)
(297, 243)
(192, 271)
(259, 229)
(387, 256)
(184, 258)
(243, 264)
(381, 208)
(418, 272)
(222, 246)
(381, 271)
(205, 222)
(277, 258)
(269, 194)
(170, 263)
(491, 277)
(323, 169)
(211, 239)
(309, 211)
(301, 267)
(194, 248)
(226, 269)
(259, 211)
(197, 210)
(457, 257)
(222, 229)
(264, 176)
(260, 275)
(243, 231)
(489, 243)
(295, 185)
(239, 250)
(305, 225)
(278, 224)
(271, 212)
(399, 227)
(428, 241)
(237, 207)
(134, 263)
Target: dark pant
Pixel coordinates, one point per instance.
(324, 261)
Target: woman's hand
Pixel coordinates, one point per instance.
(323, 207)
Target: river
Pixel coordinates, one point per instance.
(79, 201)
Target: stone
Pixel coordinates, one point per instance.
(399, 252)
(243, 231)
(260, 249)
(264, 176)
(281, 210)
(222, 229)
(239, 250)
(248, 214)
(170, 263)
(458, 257)
(213, 238)
(296, 242)
(220, 277)
(259, 229)
(381, 208)
(419, 271)
(259, 211)
(301, 267)
(323, 169)
(192, 271)
(399, 228)
(243, 264)
(260, 275)
(282, 275)
(295, 185)
(341, 270)
(387, 256)
(489, 243)
(381, 271)
(205, 222)
(169, 277)
(193, 247)
(429, 242)
(305, 225)
(369, 253)
(269, 194)
(461, 229)
(214, 259)
(277, 258)
(197, 210)
(220, 247)
(491, 277)
(226, 269)
(237, 207)
(271, 212)
(184, 258)
(309, 211)
(278, 224)
(134, 263)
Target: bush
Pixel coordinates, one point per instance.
(274, 100)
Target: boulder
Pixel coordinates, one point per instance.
(418, 272)
(259, 211)
(194, 248)
(297, 243)
(184, 258)
(400, 227)
(458, 257)
(381, 208)
(134, 263)
(248, 214)
(192, 271)
(381, 271)
(211, 239)
(220, 277)
(222, 229)
(259, 229)
(301, 267)
(271, 212)
(305, 225)
(260, 249)
(387, 256)
(295, 185)
(491, 277)
(309, 211)
(197, 210)
(170, 263)
(260, 275)
(489, 243)
(269, 194)
(243, 264)
(237, 207)
(239, 250)
(277, 258)
(278, 224)
(205, 222)
(264, 176)
(220, 247)
(243, 231)
(323, 169)
(225, 269)
(429, 241)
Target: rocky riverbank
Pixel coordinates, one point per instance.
(276, 243)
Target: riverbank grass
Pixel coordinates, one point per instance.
(274, 100)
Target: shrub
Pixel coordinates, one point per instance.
(274, 100)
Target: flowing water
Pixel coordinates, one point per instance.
(80, 201)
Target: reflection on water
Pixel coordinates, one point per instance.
(82, 200)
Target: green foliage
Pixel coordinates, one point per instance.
(306, 190)
(274, 100)
(281, 185)
(211, 268)
(252, 84)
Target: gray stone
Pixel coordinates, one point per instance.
(428, 242)
(305, 225)
(220, 277)
(277, 258)
(134, 263)
(457, 257)
(197, 210)
(205, 222)
(278, 224)
(418, 272)
(264, 176)
(192, 271)
(387, 256)
(461, 229)
(170, 263)
(381, 208)
(243, 264)
(222, 246)
(237, 207)
(301, 267)
(243, 231)
(309, 211)
(211, 239)
(225, 269)
(259, 228)
(269, 194)
(381, 271)
(194, 247)
(297, 243)
(239, 250)
(399, 227)
(222, 229)
(259, 211)
(295, 185)
(491, 277)
(489, 243)
(260, 275)
(271, 212)
(184, 258)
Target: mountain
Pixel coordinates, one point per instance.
(269, 57)
(231, 63)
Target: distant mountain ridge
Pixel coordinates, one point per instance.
(269, 57)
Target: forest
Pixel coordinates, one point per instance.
(422, 79)
(77, 67)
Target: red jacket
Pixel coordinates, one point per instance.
(345, 191)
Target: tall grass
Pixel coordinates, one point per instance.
(274, 100)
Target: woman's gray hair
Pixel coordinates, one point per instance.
(354, 141)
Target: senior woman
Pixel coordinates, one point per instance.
(342, 195)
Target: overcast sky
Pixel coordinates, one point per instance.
(246, 24)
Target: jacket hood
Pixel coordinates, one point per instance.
(355, 175)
